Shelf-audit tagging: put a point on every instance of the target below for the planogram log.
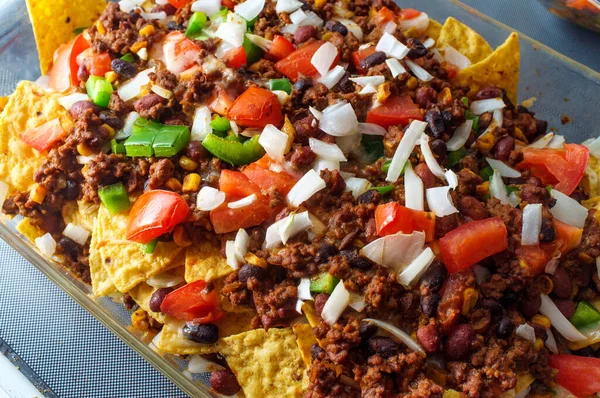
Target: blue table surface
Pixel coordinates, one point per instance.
(70, 354)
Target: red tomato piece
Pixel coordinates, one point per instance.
(409, 13)
(579, 375)
(193, 303)
(472, 242)
(178, 3)
(155, 213)
(180, 52)
(298, 63)
(391, 218)
(44, 137)
(230, 4)
(221, 101)
(262, 176)
(99, 64)
(64, 69)
(256, 107)
(567, 236)
(358, 56)
(383, 16)
(236, 185)
(563, 169)
(280, 48)
(535, 257)
(235, 58)
(397, 110)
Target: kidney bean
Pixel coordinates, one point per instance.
(425, 95)
(81, 106)
(195, 151)
(346, 84)
(384, 346)
(306, 127)
(250, 271)
(371, 196)
(471, 207)
(356, 260)
(111, 119)
(438, 147)
(488, 93)
(304, 33)
(563, 286)
(320, 300)
(124, 68)
(505, 327)
(302, 156)
(326, 252)
(174, 26)
(428, 178)
(566, 306)
(157, 298)
(429, 338)
(434, 119)
(504, 147)
(531, 305)
(337, 184)
(224, 382)
(203, 334)
(71, 191)
(584, 276)
(510, 297)
(366, 331)
(336, 26)
(458, 344)
(82, 72)
(540, 331)
(435, 276)
(417, 49)
(585, 352)
(288, 310)
(378, 57)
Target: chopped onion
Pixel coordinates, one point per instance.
(523, 393)
(3, 192)
(323, 58)
(149, 16)
(366, 80)
(331, 78)
(525, 331)
(390, 27)
(418, 71)
(298, 16)
(132, 87)
(326, 151)
(350, 143)
(282, 96)
(336, 304)
(85, 159)
(371, 129)
(452, 178)
(440, 202)
(542, 142)
(357, 302)
(304, 289)
(201, 126)
(395, 67)
(357, 186)
(503, 169)
(558, 320)
(209, 198)
(399, 334)
(232, 260)
(482, 274)
(430, 159)
(429, 43)
(290, 28)
(325, 164)
(130, 5)
(420, 23)
(264, 44)
(233, 30)
(299, 304)
(76, 233)
(392, 47)
(551, 342)
(568, 210)
(288, 6)
(514, 199)
(437, 56)
(368, 89)
(339, 120)
(247, 201)
(274, 141)
(287, 228)
(498, 189)
(308, 185)
(68, 100)
(460, 137)
(315, 112)
(128, 126)
(46, 244)
(311, 19)
(161, 91)
(395, 251)
(165, 280)
(407, 144)
(557, 142)
(222, 49)
(209, 7)
(352, 27)
(143, 53)
(415, 270)
(487, 105)
(250, 9)
(234, 127)
(413, 189)
(199, 364)
(593, 144)
(532, 224)
(456, 58)
(552, 265)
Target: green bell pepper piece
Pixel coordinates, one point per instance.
(384, 190)
(250, 23)
(233, 152)
(128, 57)
(99, 90)
(385, 167)
(220, 123)
(219, 16)
(372, 146)
(149, 247)
(170, 140)
(454, 157)
(253, 52)
(486, 173)
(195, 25)
(114, 198)
(139, 144)
(280, 85)
(117, 147)
(325, 283)
(585, 315)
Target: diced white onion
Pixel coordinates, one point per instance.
(366, 80)
(399, 334)
(149, 16)
(503, 169)
(209, 7)
(232, 260)
(395, 251)
(130, 5)
(235, 129)
(357, 186)
(132, 87)
(418, 71)
(390, 27)
(429, 43)
(309, 184)
(326, 151)
(498, 189)
(76, 233)
(524, 393)
(542, 142)
(593, 144)
(331, 78)
(250, 9)
(312, 19)
(233, 30)
(487, 105)
(525, 331)
(349, 143)
(161, 91)
(452, 178)
(288, 6)
(413, 189)
(440, 201)
(482, 274)
(287, 228)
(46, 244)
(551, 342)
(405, 148)
(297, 17)
(368, 89)
(290, 28)
(240, 245)
(552, 265)
(68, 100)
(339, 120)
(456, 58)
(336, 304)
(304, 289)
(437, 56)
(460, 137)
(325, 164)
(165, 280)
(282, 96)
(514, 199)
(128, 126)
(274, 141)
(209, 198)
(199, 364)
(558, 142)
(264, 44)
(392, 47)
(201, 126)
(323, 58)
(85, 159)
(371, 129)
(568, 210)
(352, 26)
(420, 23)
(430, 159)
(532, 224)
(247, 201)
(3, 192)
(395, 67)
(315, 112)
(143, 53)
(357, 302)
(415, 270)
(558, 320)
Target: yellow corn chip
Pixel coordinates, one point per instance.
(29, 230)
(266, 363)
(433, 31)
(464, 39)
(142, 294)
(591, 181)
(3, 102)
(204, 261)
(80, 213)
(55, 21)
(102, 284)
(500, 69)
(28, 107)
(305, 338)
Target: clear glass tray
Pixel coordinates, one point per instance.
(560, 86)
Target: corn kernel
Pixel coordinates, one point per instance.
(111, 76)
(100, 28)
(173, 184)
(187, 163)
(253, 259)
(411, 83)
(383, 92)
(541, 320)
(585, 258)
(111, 131)
(138, 46)
(147, 30)
(191, 182)
(290, 131)
(445, 96)
(470, 297)
(180, 237)
(486, 142)
(483, 189)
(539, 344)
(139, 320)
(38, 193)
(320, 3)
(519, 135)
(83, 150)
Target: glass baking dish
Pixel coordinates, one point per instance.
(583, 12)
(562, 91)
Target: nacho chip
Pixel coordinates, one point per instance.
(142, 294)
(80, 213)
(266, 363)
(464, 39)
(55, 21)
(433, 31)
(29, 230)
(28, 107)
(305, 338)
(500, 69)
(3, 102)
(204, 261)
(102, 284)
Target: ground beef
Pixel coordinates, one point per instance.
(109, 169)
(121, 31)
(160, 172)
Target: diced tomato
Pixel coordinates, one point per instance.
(298, 63)
(391, 218)
(96, 64)
(193, 303)
(256, 107)
(155, 213)
(280, 48)
(230, 4)
(45, 136)
(451, 70)
(383, 16)
(397, 110)
(358, 56)
(583, 5)
(580, 375)
(567, 236)
(409, 13)
(64, 69)
(178, 3)
(535, 258)
(472, 242)
(563, 169)
(235, 58)
(221, 101)
(180, 52)
(236, 185)
(262, 176)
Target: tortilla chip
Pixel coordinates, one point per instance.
(55, 21)
(102, 284)
(465, 40)
(172, 341)
(204, 261)
(28, 107)
(266, 363)
(500, 69)
(3, 102)
(29, 230)
(434, 29)
(142, 294)
(591, 181)
(305, 338)
(125, 261)
(80, 213)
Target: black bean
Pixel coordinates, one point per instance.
(488, 93)
(224, 382)
(248, 271)
(174, 26)
(326, 252)
(523, 109)
(509, 298)
(203, 334)
(434, 119)
(492, 305)
(435, 276)
(124, 68)
(438, 147)
(430, 303)
(305, 5)
(157, 298)
(531, 305)
(336, 26)
(366, 331)
(384, 346)
(585, 352)
(547, 233)
(378, 57)
(356, 260)
(541, 126)
(303, 84)
(346, 84)
(71, 191)
(417, 49)
(111, 119)
(371, 196)
(505, 327)
(70, 247)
